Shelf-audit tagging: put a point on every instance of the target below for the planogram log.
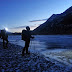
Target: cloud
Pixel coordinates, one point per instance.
(38, 20)
(18, 27)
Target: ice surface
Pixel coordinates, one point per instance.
(57, 47)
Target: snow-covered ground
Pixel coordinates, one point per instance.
(56, 47)
(11, 60)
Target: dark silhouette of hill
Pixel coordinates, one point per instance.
(57, 24)
(10, 33)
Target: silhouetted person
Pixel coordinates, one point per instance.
(0, 33)
(26, 35)
(4, 36)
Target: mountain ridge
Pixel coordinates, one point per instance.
(57, 24)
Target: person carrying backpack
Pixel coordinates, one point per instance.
(0, 33)
(26, 35)
(4, 36)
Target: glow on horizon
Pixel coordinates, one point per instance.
(20, 29)
(6, 28)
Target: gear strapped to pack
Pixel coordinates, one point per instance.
(24, 35)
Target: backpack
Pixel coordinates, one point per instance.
(4, 34)
(0, 35)
(24, 37)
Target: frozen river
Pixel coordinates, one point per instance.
(45, 42)
(57, 47)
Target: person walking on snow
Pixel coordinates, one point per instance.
(26, 35)
(4, 36)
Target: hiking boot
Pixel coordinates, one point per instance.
(28, 53)
(6, 46)
(22, 54)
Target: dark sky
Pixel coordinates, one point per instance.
(16, 14)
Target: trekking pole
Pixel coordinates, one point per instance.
(33, 46)
(31, 43)
(30, 46)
